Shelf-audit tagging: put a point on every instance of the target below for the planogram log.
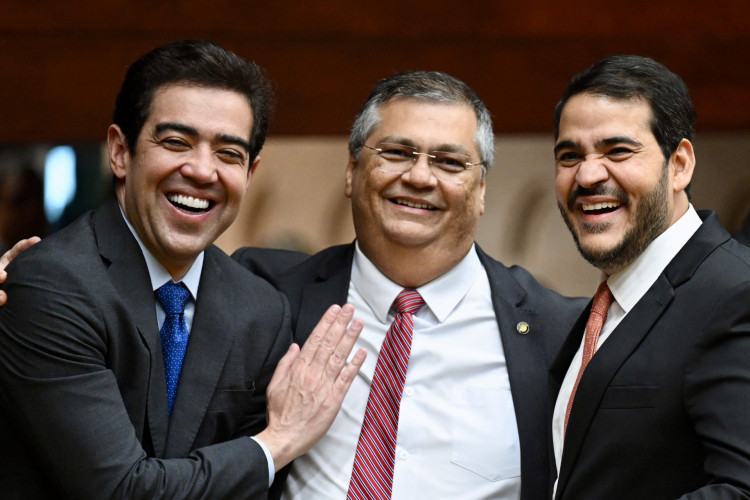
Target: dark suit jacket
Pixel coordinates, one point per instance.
(82, 387)
(663, 408)
(314, 284)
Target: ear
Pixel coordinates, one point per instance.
(482, 188)
(683, 165)
(251, 170)
(349, 176)
(118, 151)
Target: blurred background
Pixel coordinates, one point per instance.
(63, 62)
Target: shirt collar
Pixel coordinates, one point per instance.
(159, 274)
(441, 295)
(632, 283)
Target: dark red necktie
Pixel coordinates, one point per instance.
(602, 300)
(372, 476)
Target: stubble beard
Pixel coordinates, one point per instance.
(651, 219)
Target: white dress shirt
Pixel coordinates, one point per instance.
(457, 433)
(628, 286)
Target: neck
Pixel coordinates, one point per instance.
(413, 267)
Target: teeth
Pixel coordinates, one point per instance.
(188, 201)
(413, 205)
(587, 207)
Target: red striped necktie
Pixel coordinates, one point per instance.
(372, 476)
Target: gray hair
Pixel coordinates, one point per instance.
(428, 86)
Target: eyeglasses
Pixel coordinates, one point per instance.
(400, 158)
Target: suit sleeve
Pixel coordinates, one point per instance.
(717, 395)
(58, 393)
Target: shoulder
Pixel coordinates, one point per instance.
(267, 262)
(236, 274)
(519, 282)
(283, 265)
(67, 249)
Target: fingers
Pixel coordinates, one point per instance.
(3, 298)
(337, 359)
(329, 348)
(324, 355)
(19, 247)
(317, 336)
(284, 365)
(346, 377)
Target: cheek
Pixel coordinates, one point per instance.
(563, 183)
(235, 182)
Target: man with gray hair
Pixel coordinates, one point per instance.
(451, 400)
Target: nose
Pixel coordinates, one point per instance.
(591, 171)
(420, 174)
(201, 166)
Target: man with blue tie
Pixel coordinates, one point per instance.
(135, 356)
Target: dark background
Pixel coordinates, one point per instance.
(61, 63)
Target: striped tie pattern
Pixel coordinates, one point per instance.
(372, 476)
(599, 308)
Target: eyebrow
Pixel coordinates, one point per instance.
(609, 141)
(193, 132)
(445, 148)
(567, 144)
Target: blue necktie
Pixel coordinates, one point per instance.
(174, 334)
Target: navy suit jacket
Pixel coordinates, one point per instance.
(663, 408)
(313, 284)
(82, 387)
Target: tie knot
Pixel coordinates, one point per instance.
(173, 297)
(408, 301)
(602, 299)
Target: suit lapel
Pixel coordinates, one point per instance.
(330, 286)
(605, 364)
(524, 356)
(208, 347)
(129, 275)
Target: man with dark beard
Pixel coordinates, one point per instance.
(661, 409)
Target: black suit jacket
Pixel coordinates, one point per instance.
(312, 285)
(663, 408)
(82, 387)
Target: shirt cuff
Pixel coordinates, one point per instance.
(269, 458)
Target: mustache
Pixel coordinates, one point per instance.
(598, 190)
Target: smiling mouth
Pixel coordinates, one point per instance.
(411, 204)
(600, 208)
(189, 204)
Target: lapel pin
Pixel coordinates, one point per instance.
(523, 328)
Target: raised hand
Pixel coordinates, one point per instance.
(308, 386)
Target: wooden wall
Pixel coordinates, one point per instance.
(62, 62)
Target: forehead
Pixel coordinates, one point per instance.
(427, 124)
(587, 117)
(214, 110)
